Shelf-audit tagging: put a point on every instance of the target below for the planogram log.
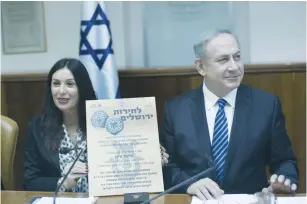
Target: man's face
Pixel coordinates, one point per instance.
(222, 64)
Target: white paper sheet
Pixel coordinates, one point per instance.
(63, 200)
(292, 200)
(228, 199)
(123, 146)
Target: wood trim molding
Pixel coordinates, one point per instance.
(168, 71)
(181, 71)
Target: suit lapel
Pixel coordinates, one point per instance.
(50, 156)
(198, 110)
(54, 156)
(241, 115)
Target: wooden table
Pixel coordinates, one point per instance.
(22, 197)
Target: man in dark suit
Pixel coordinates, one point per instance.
(238, 128)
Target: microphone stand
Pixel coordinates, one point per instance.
(179, 185)
(69, 170)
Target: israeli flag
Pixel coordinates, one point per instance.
(96, 51)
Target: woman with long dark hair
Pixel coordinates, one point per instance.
(61, 124)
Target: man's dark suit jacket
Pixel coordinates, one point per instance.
(258, 138)
(42, 168)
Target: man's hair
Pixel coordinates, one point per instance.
(200, 47)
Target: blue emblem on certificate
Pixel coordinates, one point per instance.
(99, 119)
(114, 125)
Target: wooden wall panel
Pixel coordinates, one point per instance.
(3, 100)
(24, 94)
(24, 100)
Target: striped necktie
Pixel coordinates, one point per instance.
(220, 139)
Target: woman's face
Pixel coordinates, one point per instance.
(64, 90)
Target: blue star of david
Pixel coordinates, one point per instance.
(89, 50)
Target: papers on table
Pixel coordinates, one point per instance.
(248, 199)
(292, 200)
(228, 199)
(67, 200)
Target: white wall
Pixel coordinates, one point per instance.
(277, 32)
(172, 29)
(62, 20)
(270, 32)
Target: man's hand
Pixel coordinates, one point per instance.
(279, 184)
(205, 189)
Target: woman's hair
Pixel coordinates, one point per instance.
(51, 118)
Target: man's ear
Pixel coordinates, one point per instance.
(200, 67)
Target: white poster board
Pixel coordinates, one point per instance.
(123, 147)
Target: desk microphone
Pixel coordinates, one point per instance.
(180, 184)
(66, 150)
(195, 177)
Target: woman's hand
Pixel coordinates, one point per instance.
(80, 169)
(164, 156)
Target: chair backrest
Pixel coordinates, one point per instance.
(9, 134)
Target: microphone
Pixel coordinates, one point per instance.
(180, 184)
(195, 177)
(66, 150)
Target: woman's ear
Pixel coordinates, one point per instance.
(200, 67)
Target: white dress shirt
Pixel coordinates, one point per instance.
(212, 107)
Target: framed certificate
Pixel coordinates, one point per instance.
(23, 27)
(123, 147)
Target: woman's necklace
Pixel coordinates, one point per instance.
(73, 138)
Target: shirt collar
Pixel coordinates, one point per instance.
(211, 99)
